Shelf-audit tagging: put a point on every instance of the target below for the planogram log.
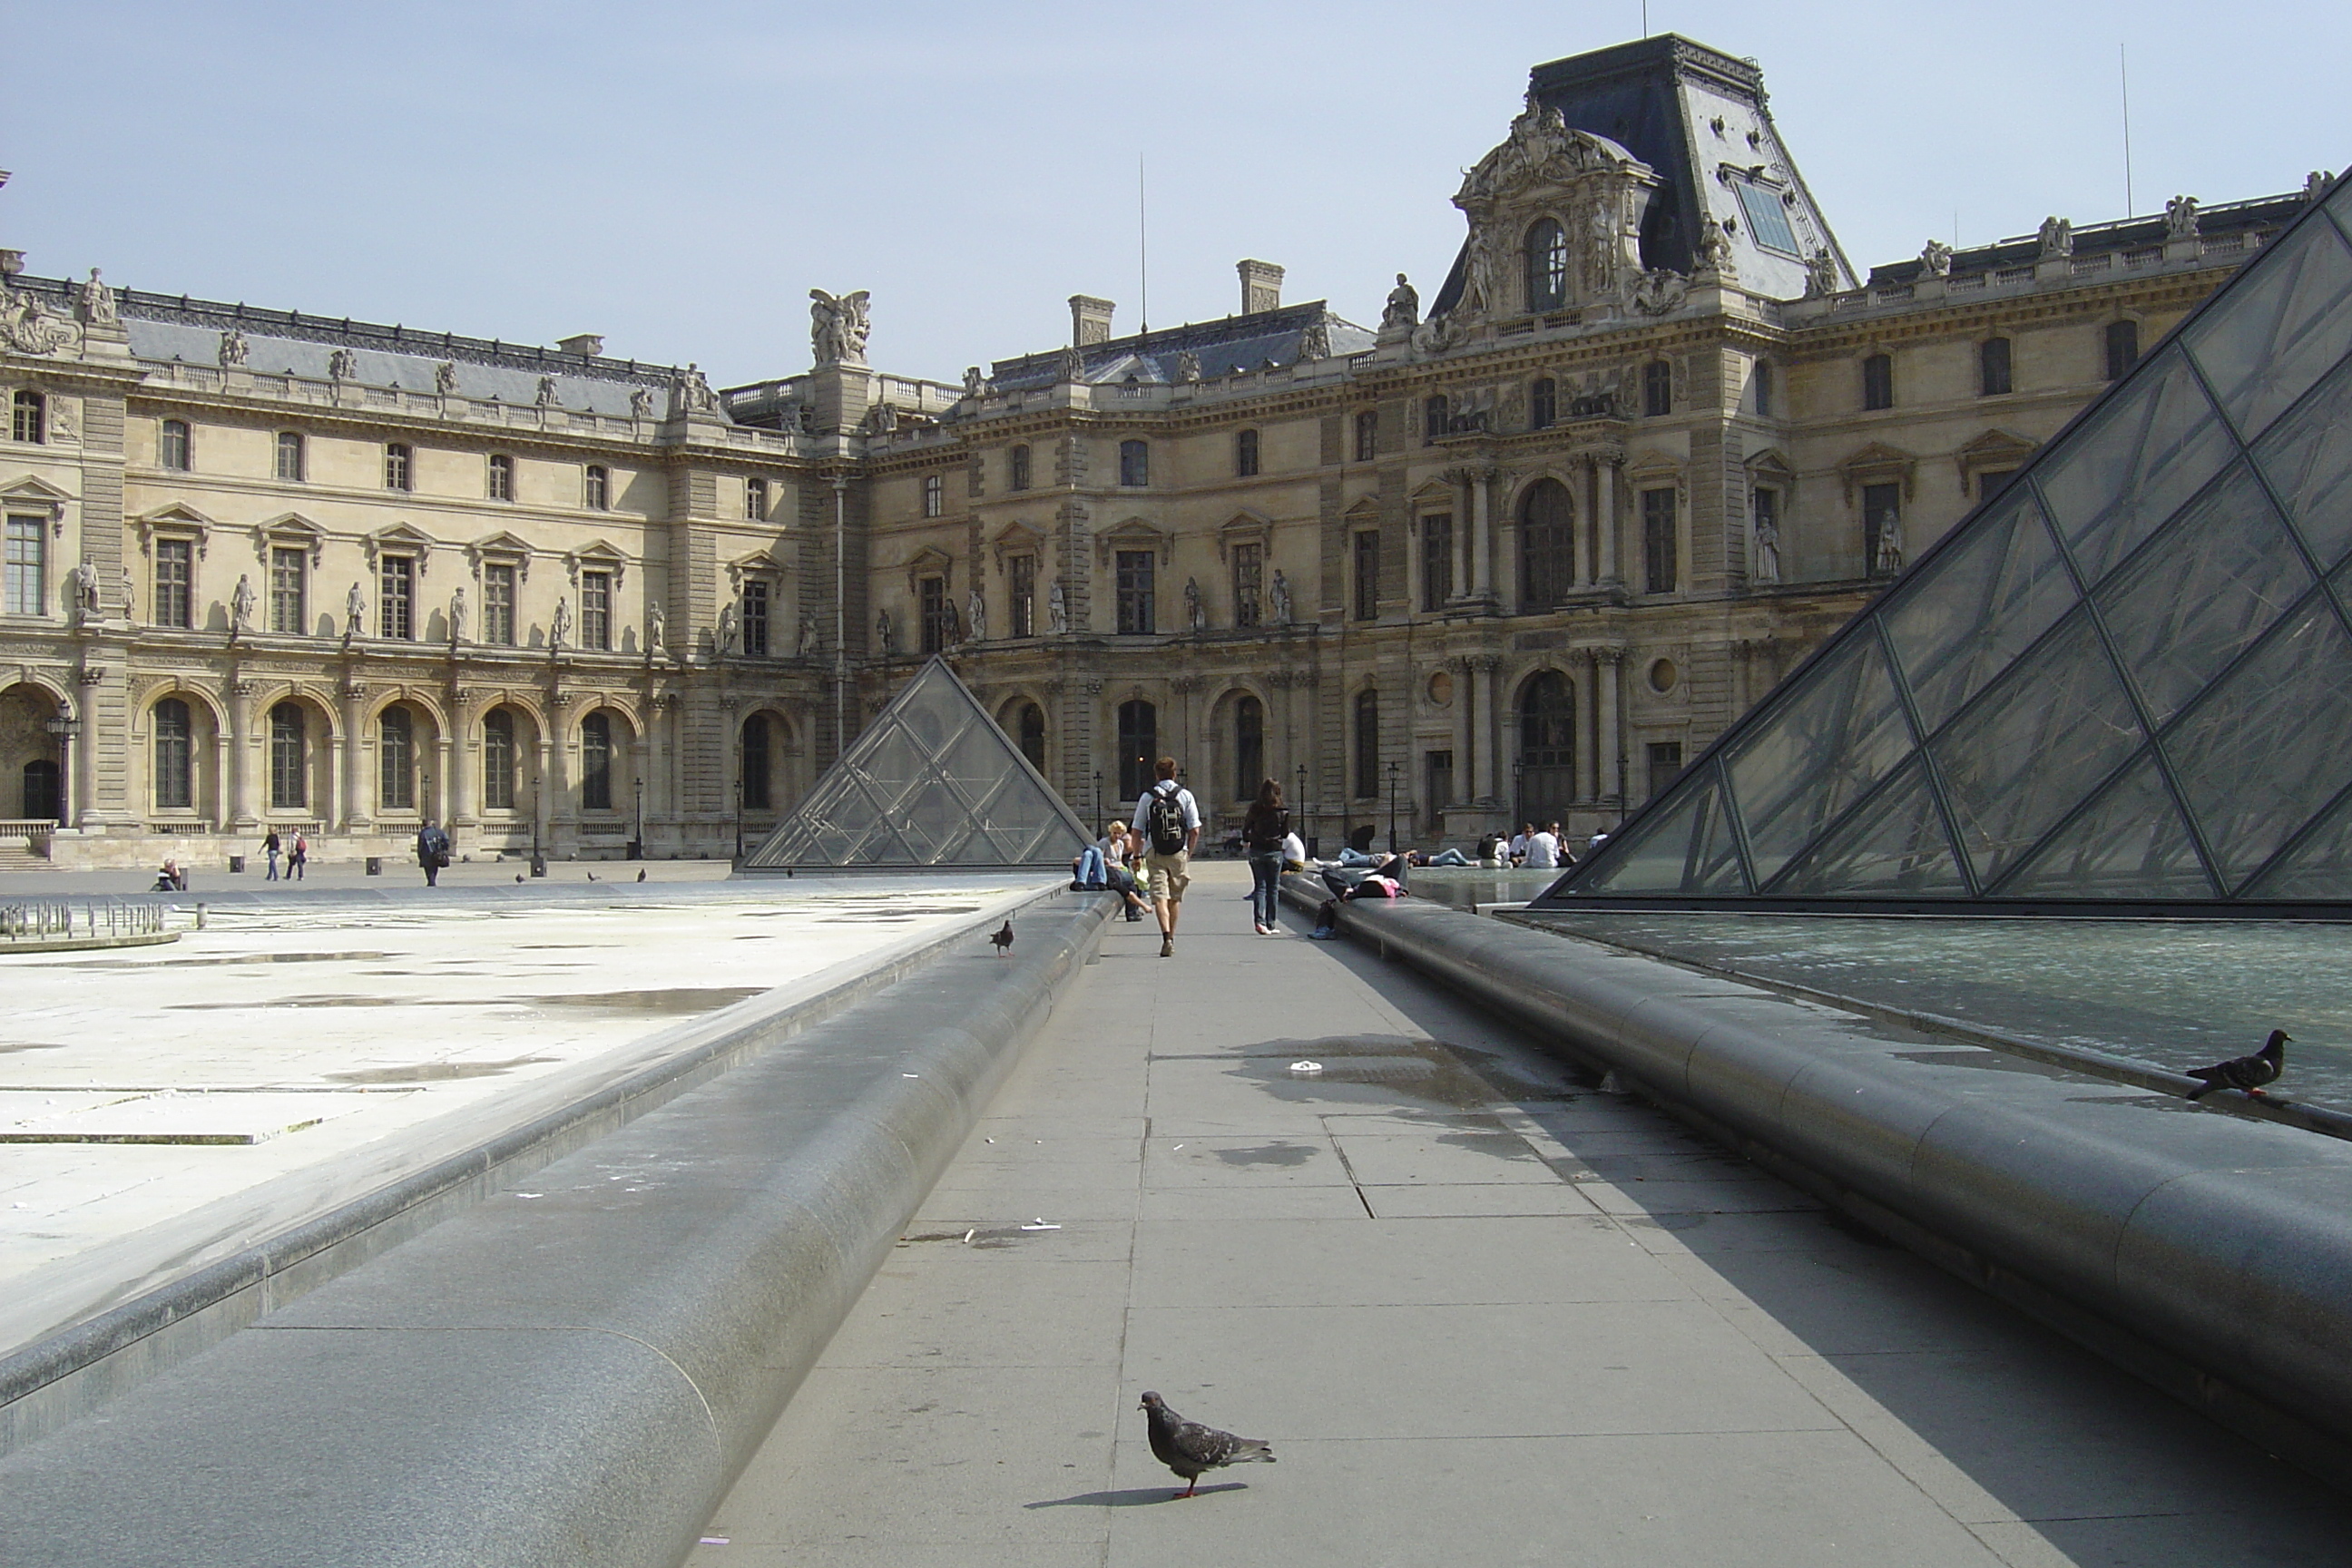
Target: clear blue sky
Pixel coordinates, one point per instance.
(677, 176)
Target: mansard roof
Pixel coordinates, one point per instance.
(2261, 214)
(1230, 346)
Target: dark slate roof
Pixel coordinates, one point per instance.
(2261, 213)
(1232, 345)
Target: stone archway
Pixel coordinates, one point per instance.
(32, 756)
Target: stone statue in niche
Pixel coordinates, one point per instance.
(838, 326)
(240, 602)
(728, 631)
(1935, 259)
(2055, 238)
(641, 403)
(1890, 550)
(656, 627)
(2180, 218)
(1767, 570)
(355, 612)
(1187, 367)
(1280, 595)
(561, 632)
(811, 645)
(458, 615)
(1196, 617)
(975, 615)
(233, 349)
(883, 636)
(445, 377)
(95, 304)
(1403, 310)
(83, 581)
(130, 593)
(1057, 608)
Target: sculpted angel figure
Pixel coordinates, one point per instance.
(233, 349)
(838, 326)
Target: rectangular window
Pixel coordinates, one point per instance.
(1992, 366)
(1135, 592)
(501, 477)
(1665, 762)
(1018, 463)
(396, 598)
(290, 465)
(2123, 348)
(1881, 526)
(1543, 404)
(175, 577)
(755, 500)
(177, 449)
(934, 612)
(289, 595)
(1437, 780)
(1368, 434)
(1134, 463)
(934, 495)
(597, 763)
(1658, 542)
(1657, 389)
(27, 542)
(1760, 381)
(755, 618)
(596, 487)
(1245, 455)
(1249, 584)
(396, 467)
(596, 610)
(29, 412)
(1022, 579)
(1368, 575)
(1767, 217)
(1878, 382)
(1990, 483)
(498, 604)
(1436, 561)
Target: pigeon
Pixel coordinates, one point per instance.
(592, 876)
(1188, 1448)
(641, 876)
(2249, 1073)
(518, 876)
(1004, 940)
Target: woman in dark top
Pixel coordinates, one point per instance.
(1261, 834)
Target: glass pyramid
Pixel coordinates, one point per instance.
(933, 781)
(2127, 680)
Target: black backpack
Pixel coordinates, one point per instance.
(1165, 821)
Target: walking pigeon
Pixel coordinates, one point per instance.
(2249, 1073)
(1188, 1448)
(641, 876)
(1002, 940)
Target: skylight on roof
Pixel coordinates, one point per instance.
(1767, 219)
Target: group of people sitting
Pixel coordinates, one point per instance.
(1109, 863)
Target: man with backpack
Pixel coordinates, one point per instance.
(1167, 820)
(432, 851)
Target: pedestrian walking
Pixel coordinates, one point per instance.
(433, 851)
(298, 856)
(1264, 828)
(271, 848)
(1168, 821)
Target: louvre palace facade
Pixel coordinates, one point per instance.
(1516, 551)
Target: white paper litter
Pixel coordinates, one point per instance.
(1306, 1066)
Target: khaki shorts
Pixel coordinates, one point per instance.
(1166, 876)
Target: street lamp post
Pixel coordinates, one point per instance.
(1306, 837)
(637, 843)
(538, 861)
(739, 802)
(1096, 807)
(1393, 766)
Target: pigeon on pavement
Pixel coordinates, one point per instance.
(2249, 1073)
(1002, 940)
(641, 876)
(1188, 1448)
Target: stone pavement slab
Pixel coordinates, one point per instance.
(1484, 1312)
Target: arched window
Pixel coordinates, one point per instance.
(29, 418)
(1992, 367)
(1138, 747)
(597, 762)
(173, 452)
(1657, 389)
(1249, 747)
(290, 756)
(1018, 479)
(290, 465)
(395, 751)
(1367, 743)
(1434, 412)
(1547, 770)
(1547, 546)
(1135, 462)
(1546, 252)
(1031, 729)
(498, 760)
(174, 758)
(1245, 454)
(1878, 382)
(1543, 404)
(756, 794)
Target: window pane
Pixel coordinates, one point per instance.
(290, 455)
(173, 772)
(596, 610)
(395, 468)
(755, 764)
(1245, 454)
(597, 762)
(1249, 584)
(755, 618)
(2130, 844)
(2133, 464)
(1546, 545)
(1436, 561)
(1023, 590)
(2271, 336)
(1249, 747)
(27, 540)
(1134, 463)
(1818, 753)
(2307, 457)
(174, 572)
(289, 756)
(1993, 364)
(397, 761)
(1687, 850)
(1767, 217)
(1896, 845)
(498, 604)
(1659, 544)
(499, 760)
(1368, 577)
(289, 571)
(1977, 606)
(1135, 592)
(29, 418)
(1138, 747)
(396, 582)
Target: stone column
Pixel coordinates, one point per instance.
(1609, 666)
(543, 796)
(354, 796)
(1605, 519)
(1481, 546)
(441, 800)
(561, 808)
(83, 765)
(1465, 742)
(243, 781)
(458, 766)
(1461, 505)
(1488, 731)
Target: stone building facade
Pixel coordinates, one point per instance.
(1518, 556)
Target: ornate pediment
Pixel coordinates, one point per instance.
(1247, 527)
(1879, 464)
(1135, 534)
(757, 563)
(1016, 537)
(505, 549)
(1555, 220)
(177, 520)
(1542, 153)
(600, 556)
(1995, 452)
(930, 561)
(400, 539)
(290, 531)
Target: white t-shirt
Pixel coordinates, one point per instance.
(1543, 851)
(1114, 850)
(1294, 849)
(1184, 803)
(1519, 845)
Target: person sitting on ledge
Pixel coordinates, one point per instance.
(170, 879)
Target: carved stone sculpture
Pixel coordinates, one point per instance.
(975, 616)
(656, 627)
(1196, 617)
(1073, 366)
(1314, 342)
(1935, 259)
(1280, 593)
(240, 602)
(342, 365)
(883, 635)
(130, 595)
(96, 302)
(2180, 218)
(1187, 367)
(641, 403)
(1057, 608)
(1890, 550)
(690, 394)
(975, 385)
(838, 327)
(562, 633)
(728, 632)
(1767, 569)
(2055, 238)
(458, 615)
(1820, 274)
(1714, 253)
(233, 349)
(355, 612)
(1659, 292)
(548, 396)
(27, 328)
(811, 644)
(1403, 309)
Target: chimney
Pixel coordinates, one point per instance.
(1089, 320)
(588, 346)
(1261, 286)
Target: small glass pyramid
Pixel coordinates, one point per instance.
(933, 781)
(2124, 681)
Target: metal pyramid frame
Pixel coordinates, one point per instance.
(932, 782)
(2123, 685)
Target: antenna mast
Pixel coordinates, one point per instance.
(2122, 64)
(1142, 247)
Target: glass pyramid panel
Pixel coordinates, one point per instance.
(2309, 465)
(2153, 443)
(1974, 607)
(2124, 681)
(2037, 741)
(2218, 578)
(2130, 844)
(2265, 346)
(932, 782)
(1895, 847)
(2271, 744)
(1818, 753)
(1688, 851)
